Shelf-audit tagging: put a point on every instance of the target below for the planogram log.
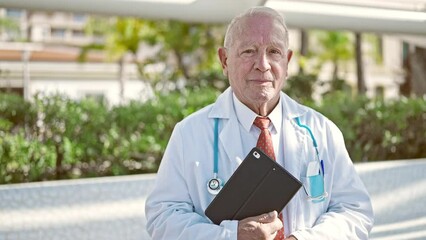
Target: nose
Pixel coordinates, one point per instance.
(262, 62)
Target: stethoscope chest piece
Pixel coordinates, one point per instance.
(214, 186)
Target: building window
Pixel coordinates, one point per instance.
(77, 33)
(58, 32)
(80, 18)
(14, 13)
(97, 96)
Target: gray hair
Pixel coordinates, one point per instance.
(254, 11)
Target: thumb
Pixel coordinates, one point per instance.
(268, 217)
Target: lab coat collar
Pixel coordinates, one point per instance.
(223, 108)
(291, 108)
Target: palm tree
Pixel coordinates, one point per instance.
(185, 48)
(336, 48)
(359, 64)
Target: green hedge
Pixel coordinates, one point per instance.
(53, 137)
(378, 129)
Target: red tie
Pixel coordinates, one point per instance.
(264, 143)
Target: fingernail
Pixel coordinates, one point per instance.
(272, 214)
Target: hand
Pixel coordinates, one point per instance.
(262, 227)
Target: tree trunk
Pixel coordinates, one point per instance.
(335, 70)
(359, 64)
(418, 71)
(59, 160)
(405, 87)
(121, 79)
(303, 48)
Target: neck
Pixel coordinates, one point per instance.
(264, 109)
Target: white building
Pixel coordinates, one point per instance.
(50, 63)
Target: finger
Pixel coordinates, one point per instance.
(274, 226)
(268, 217)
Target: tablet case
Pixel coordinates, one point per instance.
(259, 185)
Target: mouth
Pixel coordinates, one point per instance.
(261, 81)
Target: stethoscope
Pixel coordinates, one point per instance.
(215, 184)
(324, 194)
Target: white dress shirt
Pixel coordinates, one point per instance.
(250, 133)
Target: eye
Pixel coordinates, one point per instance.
(275, 51)
(249, 51)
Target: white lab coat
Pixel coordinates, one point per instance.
(175, 208)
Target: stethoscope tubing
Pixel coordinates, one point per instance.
(215, 178)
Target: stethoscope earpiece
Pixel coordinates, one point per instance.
(214, 186)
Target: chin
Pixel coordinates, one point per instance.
(261, 97)
(265, 93)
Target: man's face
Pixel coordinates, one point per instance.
(256, 62)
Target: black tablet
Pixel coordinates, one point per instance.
(259, 185)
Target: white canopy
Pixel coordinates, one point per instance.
(382, 16)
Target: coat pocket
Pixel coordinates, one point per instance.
(314, 188)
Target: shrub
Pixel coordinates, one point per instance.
(70, 139)
(378, 129)
(54, 137)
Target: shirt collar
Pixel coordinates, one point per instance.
(246, 116)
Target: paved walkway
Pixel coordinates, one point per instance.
(398, 192)
(112, 208)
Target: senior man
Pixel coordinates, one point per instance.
(255, 59)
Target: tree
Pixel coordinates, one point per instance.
(336, 47)
(185, 49)
(11, 27)
(188, 49)
(414, 64)
(359, 64)
(304, 45)
(122, 37)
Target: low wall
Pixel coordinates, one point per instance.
(113, 207)
(108, 208)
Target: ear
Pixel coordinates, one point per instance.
(289, 55)
(223, 58)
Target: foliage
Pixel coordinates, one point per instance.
(378, 129)
(14, 112)
(335, 47)
(184, 49)
(71, 139)
(10, 26)
(376, 48)
(54, 137)
(301, 87)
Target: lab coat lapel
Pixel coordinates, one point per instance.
(294, 136)
(229, 132)
(294, 150)
(231, 140)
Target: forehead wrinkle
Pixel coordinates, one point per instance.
(234, 28)
(275, 44)
(273, 40)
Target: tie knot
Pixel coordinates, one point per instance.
(262, 122)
